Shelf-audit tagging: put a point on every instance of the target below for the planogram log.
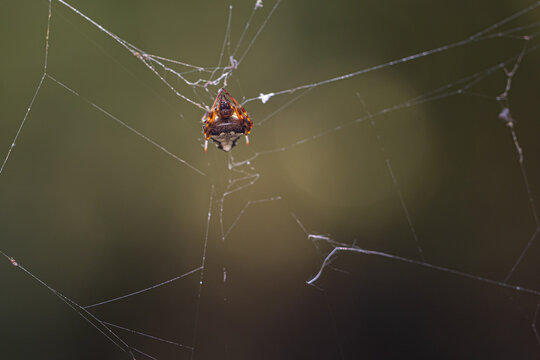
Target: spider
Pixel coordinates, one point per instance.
(226, 122)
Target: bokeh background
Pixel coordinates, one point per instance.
(96, 212)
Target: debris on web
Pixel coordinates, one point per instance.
(265, 97)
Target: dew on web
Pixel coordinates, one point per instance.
(419, 174)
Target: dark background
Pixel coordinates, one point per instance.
(96, 212)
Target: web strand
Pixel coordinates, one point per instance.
(481, 35)
(149, 336)
(506, 116)
(201, 279)
(259, 30)
(45, 62)
(227, 34)
(396, 184)
(440, 93)
(258, 5)
(82, 312)
(144, 290)
(339, 249)
(243, 174)
(133, 130)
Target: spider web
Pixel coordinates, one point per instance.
(383, 207)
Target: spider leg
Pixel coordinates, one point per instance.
(240, 112)
(219, 95)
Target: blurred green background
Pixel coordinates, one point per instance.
(96, 212)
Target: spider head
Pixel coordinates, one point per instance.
(225, 110)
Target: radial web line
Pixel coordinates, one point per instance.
(479, 36)
(258, 4)
(506, 116)
(300, 224)
(405, 209)
(131, 73)
(148, 336)
(144, 290)
(241, 213)
(334, 324)
(176, 92)
(141, 55)
(144, 354)
(533, 323)
(227, 33)
(532, 204)
(259, 31)
(79, 310)
(133, 130)
(394, 180)
(338, 249)
(45, 62)
(118, 39)
(436, 94)
(201, 279)
(506, 20)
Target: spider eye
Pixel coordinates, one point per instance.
(224, 105)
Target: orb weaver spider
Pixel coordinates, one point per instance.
(226, 122)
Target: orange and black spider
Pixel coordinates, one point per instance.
(226, 122)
